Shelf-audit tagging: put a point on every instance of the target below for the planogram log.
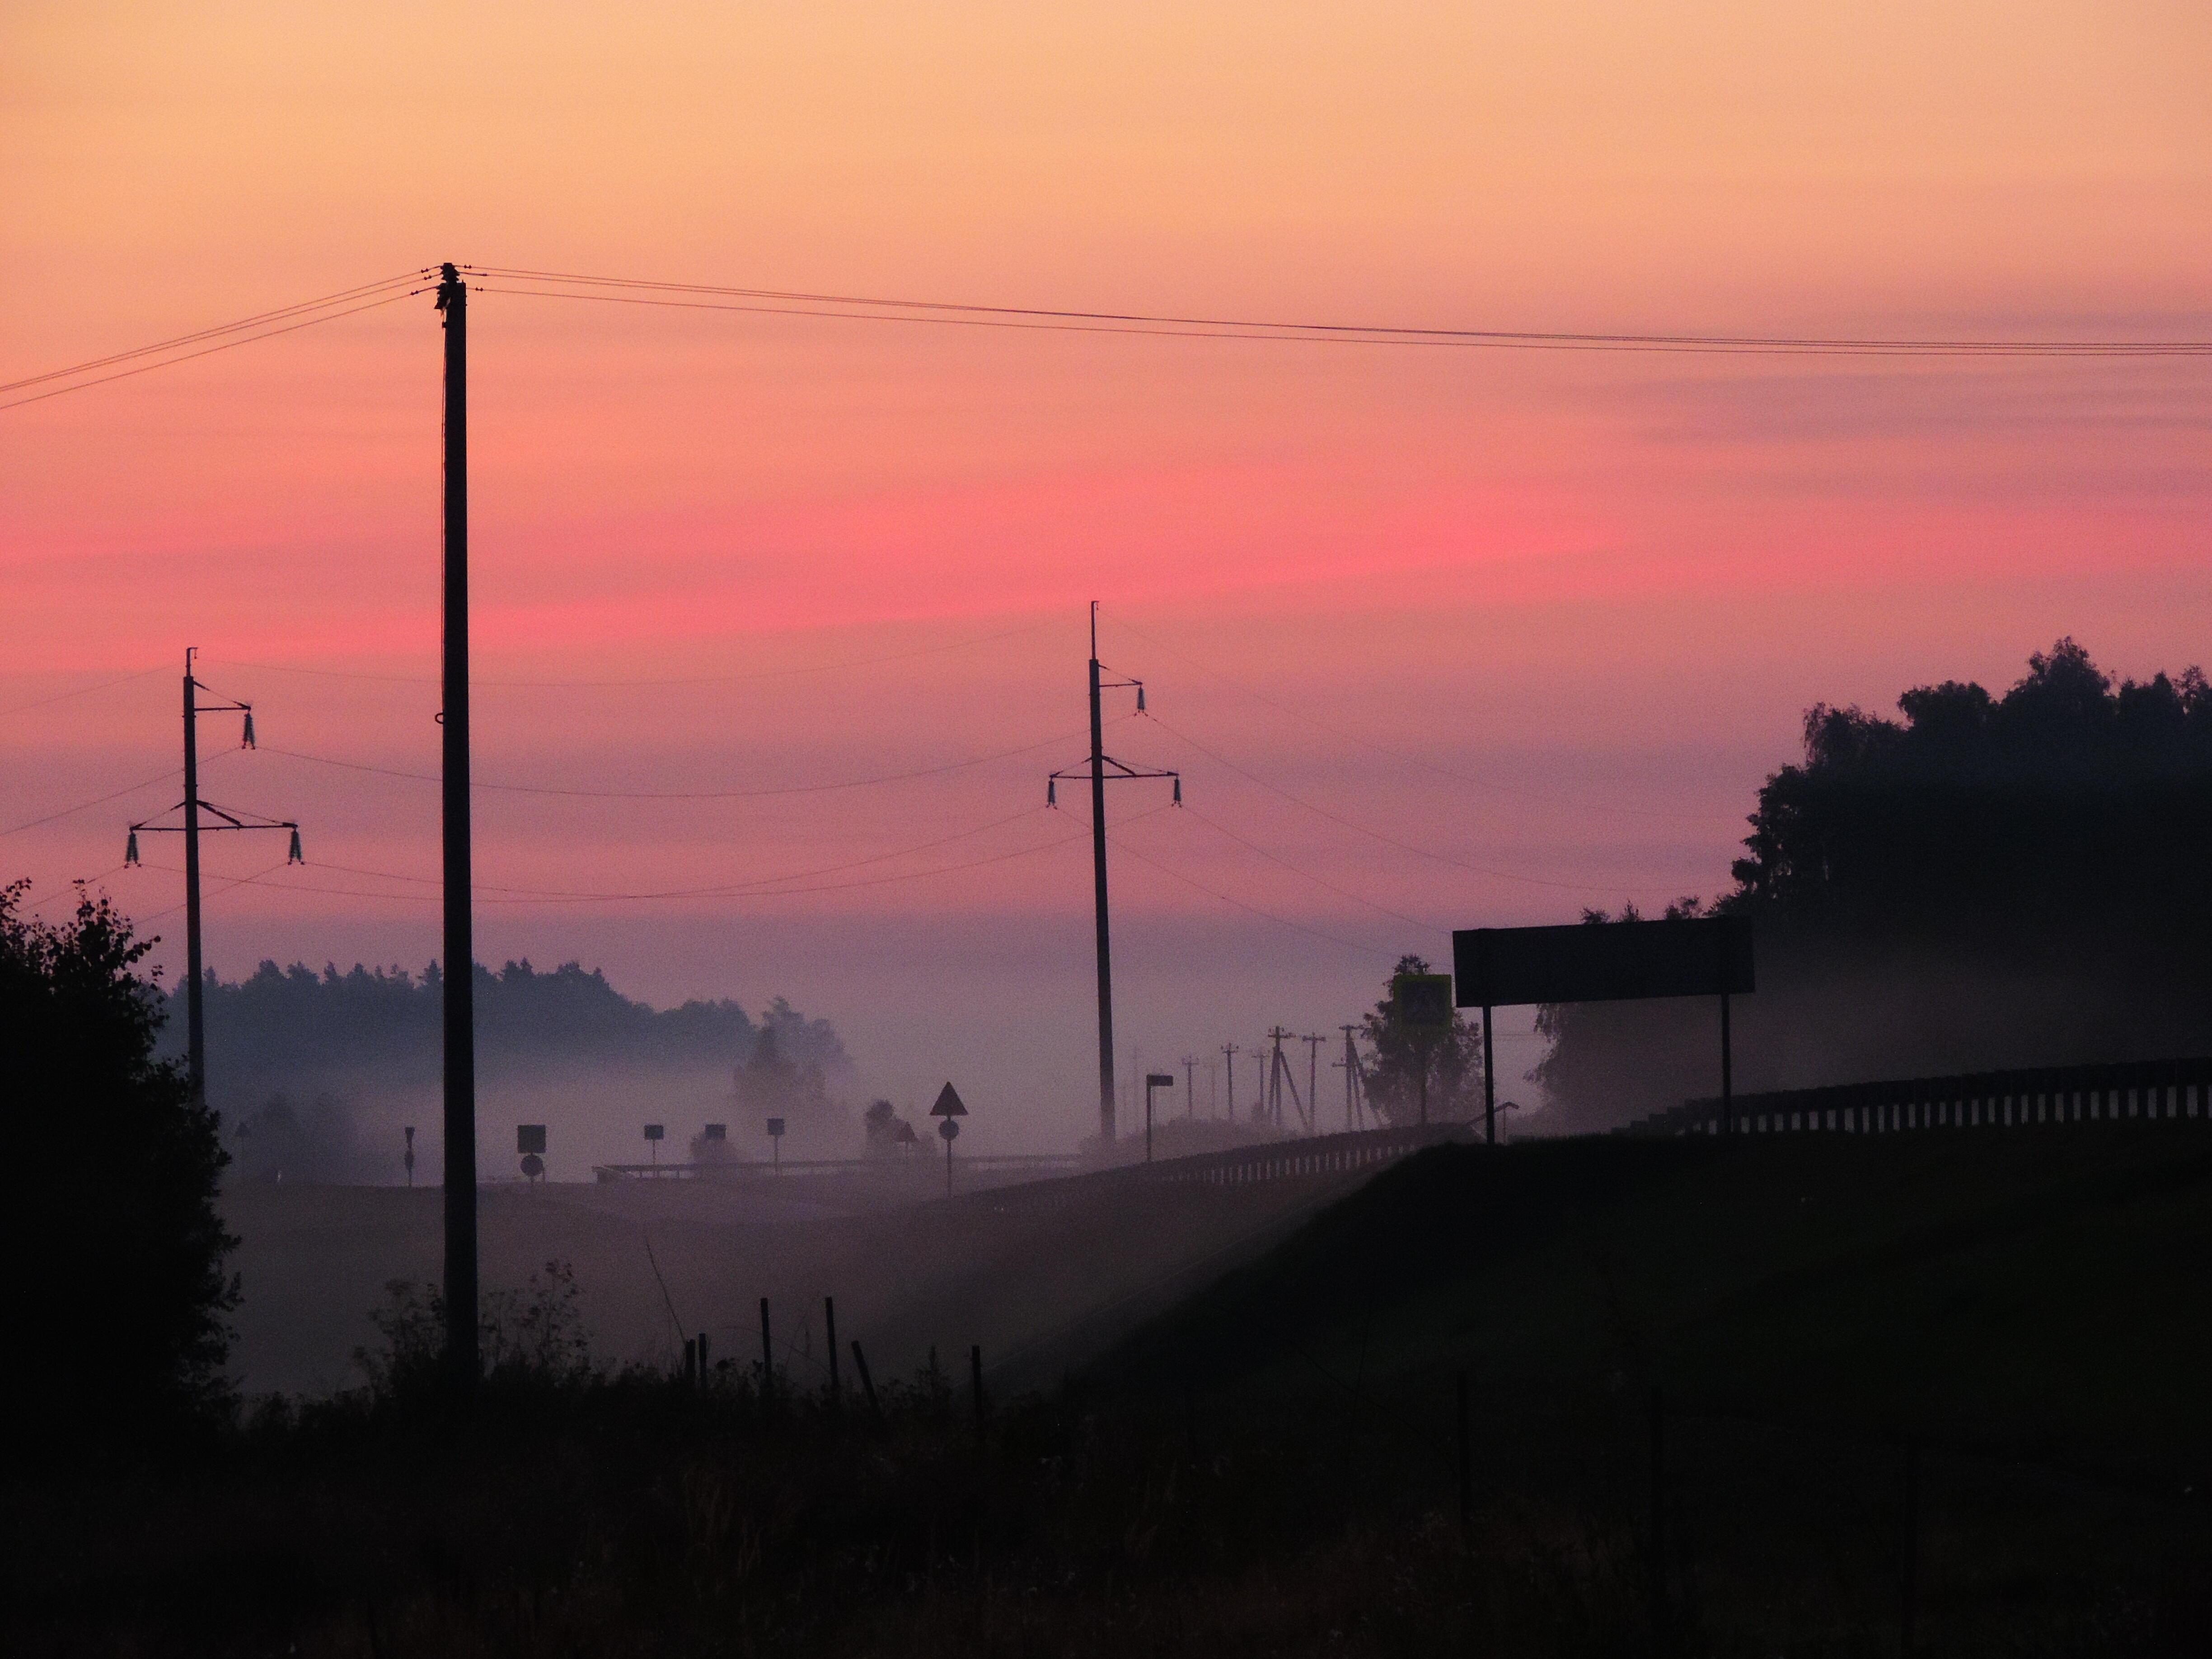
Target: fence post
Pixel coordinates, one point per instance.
(837, 1389)
(867, 1383)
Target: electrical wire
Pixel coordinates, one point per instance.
(1410, 760)
(1318, 881)
(100, 801)
(730, 888)
(1144, 858)
(689, 679)
(205, 351)
(82, 691)
(682, 794)
(1387, 841)
(198, 335)
(635, 290)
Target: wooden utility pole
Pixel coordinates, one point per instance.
(1098, 883)
(1099, 769)
(195, 1016)
(463, 1362)
(195, 958)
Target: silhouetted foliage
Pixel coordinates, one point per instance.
(119, 1292)
(1989, 882)
(299, 1032)
(1396, 1056)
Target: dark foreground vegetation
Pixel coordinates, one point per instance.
(1273, 1467)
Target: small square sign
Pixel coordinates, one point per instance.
(1424, 1000)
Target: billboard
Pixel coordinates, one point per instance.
(1602, 961)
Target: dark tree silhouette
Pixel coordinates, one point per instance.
(119, 1293)
(1989, 882)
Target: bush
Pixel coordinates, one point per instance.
(121, 1296)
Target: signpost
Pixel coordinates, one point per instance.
(775, 1141)
(530, 1141)
(948, 1109)
(408, 1158)
(1607, 961)
(655, 1134)
(1153, 1080)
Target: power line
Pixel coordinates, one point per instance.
(82, 691)
(777, 892)
(730, 888)
(632, 290)
(99, 801)
(675, 794)
(1319, 881)
(688, 679)
(1411, 760)
(1268, 915)
(1387, 841)
(198, 335)
(205, 351)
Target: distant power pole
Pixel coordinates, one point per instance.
(1190, 1085)
(195, 972)
(1279, 1077)
(1353, 1077)
(1101, 767)
(1228, 1054)
(1313, 1079)
(463, 1363)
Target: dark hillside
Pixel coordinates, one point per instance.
(2047, 1290)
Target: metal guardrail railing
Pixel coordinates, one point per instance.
(750, 1170)
(2130, 1090)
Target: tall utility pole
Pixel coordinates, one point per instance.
(462, 1363)
(195, 970)
(1190, 1085)
(1279, 1077)
(1101, 767)
(1228, 1054)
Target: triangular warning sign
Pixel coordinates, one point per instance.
(949, 1103)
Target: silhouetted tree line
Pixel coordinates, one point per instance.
(1988, 882)
(119, 1292)
(293, 1030)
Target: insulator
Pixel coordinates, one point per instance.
(131, 848)
(1051, 795)
(1141, 697)
(1178, 789)
(295, 856)
(246, 740)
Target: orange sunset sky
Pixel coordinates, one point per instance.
(1438, 637)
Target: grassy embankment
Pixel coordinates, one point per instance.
(1270, 1467)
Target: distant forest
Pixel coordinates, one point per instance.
(293, 1054)
(1988, 882)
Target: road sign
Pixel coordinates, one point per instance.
(533, 1166)
(775, 1128)
(1603, 962)
(530, 1139)
(1159, 1080)
(1423, 1001)
(654, 1132)
(948, 1131)
(717, 1132)
(949, 1105)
